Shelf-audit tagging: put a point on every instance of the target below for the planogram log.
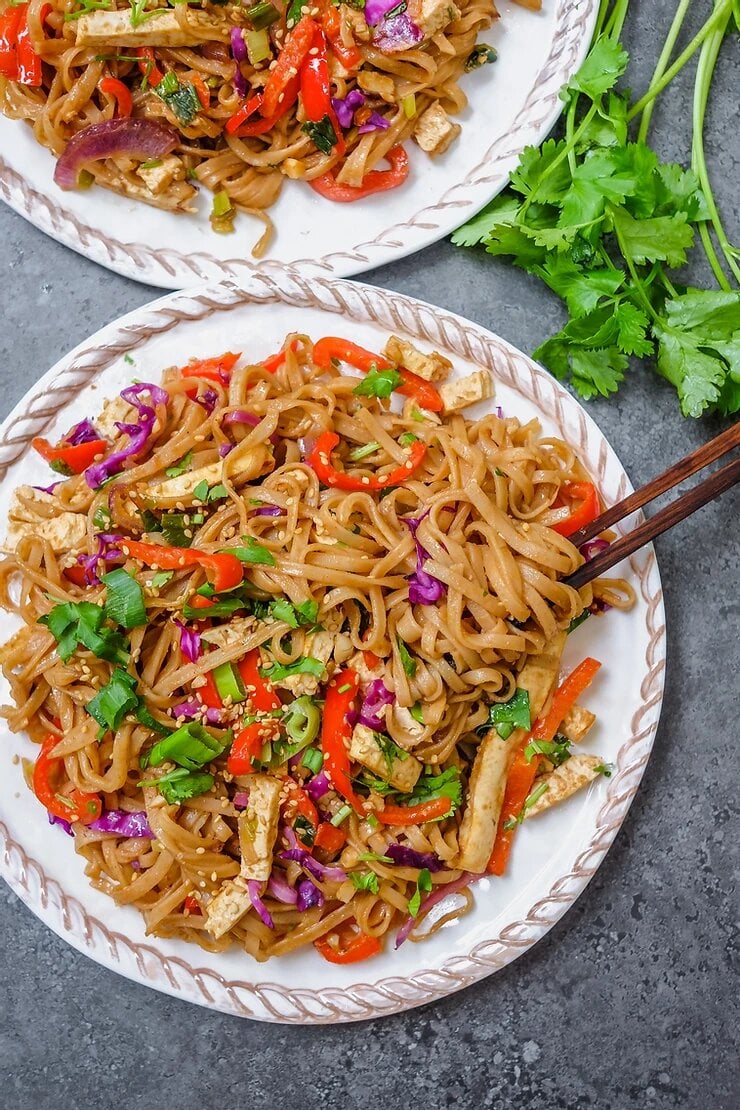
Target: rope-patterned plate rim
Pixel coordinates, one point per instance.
(150, 962)
(160, 264)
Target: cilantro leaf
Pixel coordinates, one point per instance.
(501, 210)
(597, 372)
(580, 289)
(657, 239)
(601, 177)
(697, 375)
(540, 175)
(378, 383)
(602, 67)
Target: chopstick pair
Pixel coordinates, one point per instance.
(717, 483)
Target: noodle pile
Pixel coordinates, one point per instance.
(82, 81)
(341, 565)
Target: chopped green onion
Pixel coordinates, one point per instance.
(228, 683)
(308, 665)
(81, 623)
(262, 15)
(407, 439)
(191, 746)
(224, 607)
(373, 857)
(606, 769)
(366, 881)
(340, 816)
(578, 620)
(407, 661)
(223, 213)
(180, 467)
(294, 12)
(302, 720)
(372, 821)
(115, 700)
(305, 830)
(258, 46)
(362, 452)
(313, 759)
(417, 713)
(102, 517)
(144, 717)
(343, 689)
(124, 601)
(408, 103)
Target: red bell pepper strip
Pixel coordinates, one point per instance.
(298, 804)
(332, 348)
(349, 949)
(30, 70)
(262, 126)
(320, 461)
(224, 570)
(423, 391)
(201, 90)
(247, 109)
(197, 601)
(248, 745)
(76, 574)
(349, 56)
(74, 806)
(329, 838)
(212, 369)
(191, 905)
(288, 64)
(586, 507)
(67, 459)
(147, 65)
(343, 350)
(262, 697)
(415, 815)
(111, 86)
(376, 181)
(335, 735)
(208, 692)
(316, 89)
(522, 774)
(10, 24)
(273, 362)
(371, 660)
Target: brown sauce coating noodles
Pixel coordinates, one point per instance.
(482, 497)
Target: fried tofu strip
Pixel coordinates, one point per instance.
(565, 780)
(493, 761)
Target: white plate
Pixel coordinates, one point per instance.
(555, 855)
(512, 103)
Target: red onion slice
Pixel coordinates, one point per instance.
(137, 138)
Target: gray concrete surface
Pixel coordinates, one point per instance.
(629, 1002)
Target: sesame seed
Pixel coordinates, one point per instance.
(200, 851)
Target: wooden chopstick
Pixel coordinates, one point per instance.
(678, 510)
(684, 468)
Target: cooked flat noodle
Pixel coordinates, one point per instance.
(480, 499)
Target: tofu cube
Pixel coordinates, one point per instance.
(227, 908)
(248, 465)
(576, 723)
(435, 130)
(258, 827)
(459, 394)
(158, 178)
(112, 29)
(400, 773)
(565, 780)
(318, 646)
(64, 531)
(433, 367)
(433, 15)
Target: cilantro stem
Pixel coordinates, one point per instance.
(720, 12)
(704, 72)
(663, 61)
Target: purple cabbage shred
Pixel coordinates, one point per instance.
(47, 489)
(107, 553)
(54, 820)
(208, 400)
(318, 786)
(377, 698)
(138, 433)
(345, 109)
(84, 432)
(409, 857)
(123, 823)
(190, 643)
(309, 895)
(375, 122)
(424, 589)
(253, 886)
(318, 870)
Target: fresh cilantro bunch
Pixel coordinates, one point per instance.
(603, 222)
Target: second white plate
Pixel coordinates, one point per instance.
(513, 103)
